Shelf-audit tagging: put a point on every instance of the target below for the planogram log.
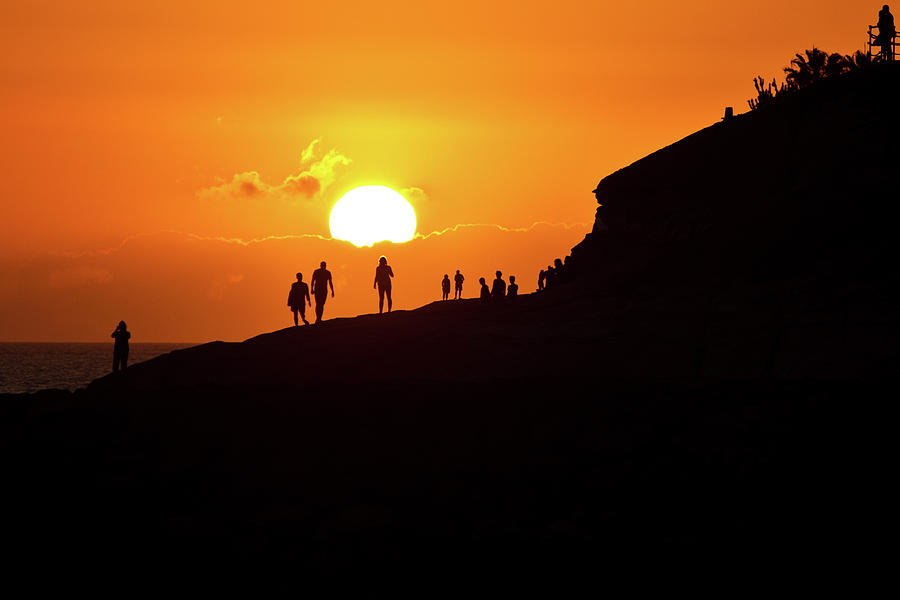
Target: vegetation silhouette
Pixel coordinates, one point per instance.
(805, 69)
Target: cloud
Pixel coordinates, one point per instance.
(536, 224)
(315, 176)
(415, 195)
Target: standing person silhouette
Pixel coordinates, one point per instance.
(512, 291)
(445, 287)
(559, 272)
(321, 281)
(886, 32)
(120, 349)
(383, 274)
(458, 279)
(498, 288)
(541, 276)
(298, 298)
(485, 291)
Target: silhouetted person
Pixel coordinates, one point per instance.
(458, 279)
(321, 281)
(549, 277)
(120, 349)
(485, 290)
(558, 271)
(541, 276)
(498, 288)
(886, 32)
(383, 274)
(445, 287)
(512, 291)
(299, 298)
(567, 269)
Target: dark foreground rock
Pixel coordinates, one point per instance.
(704, 381)
(531, 474)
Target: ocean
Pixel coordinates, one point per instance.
(28, 367)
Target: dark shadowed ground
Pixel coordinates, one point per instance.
(709, 381)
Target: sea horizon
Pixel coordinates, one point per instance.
(27, 367)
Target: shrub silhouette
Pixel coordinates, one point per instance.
(805, 69)
(765, 93)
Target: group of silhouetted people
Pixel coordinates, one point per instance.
(445, 286)
(499, 290)
(553, 275)
(299, 297)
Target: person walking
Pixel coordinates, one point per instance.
(445, 287)
(458, 279)
(120, 349)
(298, 298)
(321, 281)
(383, 275)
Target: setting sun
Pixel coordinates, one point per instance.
(372, 213)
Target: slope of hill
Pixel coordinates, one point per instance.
(709, 377)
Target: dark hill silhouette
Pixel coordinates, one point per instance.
(710, 380)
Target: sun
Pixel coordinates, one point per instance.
(372, 213)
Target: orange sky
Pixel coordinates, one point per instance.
(124, 122)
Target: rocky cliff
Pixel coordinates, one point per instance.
(779, 226)
(709, 379)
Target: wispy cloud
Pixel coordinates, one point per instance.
(415, 195)
(531, 227)
(314, 177)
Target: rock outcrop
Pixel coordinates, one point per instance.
(710, 378)
(780, 225)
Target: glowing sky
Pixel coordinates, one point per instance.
(126, 120)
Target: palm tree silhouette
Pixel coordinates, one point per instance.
(806, 68)
(858, 60)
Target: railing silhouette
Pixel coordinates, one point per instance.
(886, 53)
